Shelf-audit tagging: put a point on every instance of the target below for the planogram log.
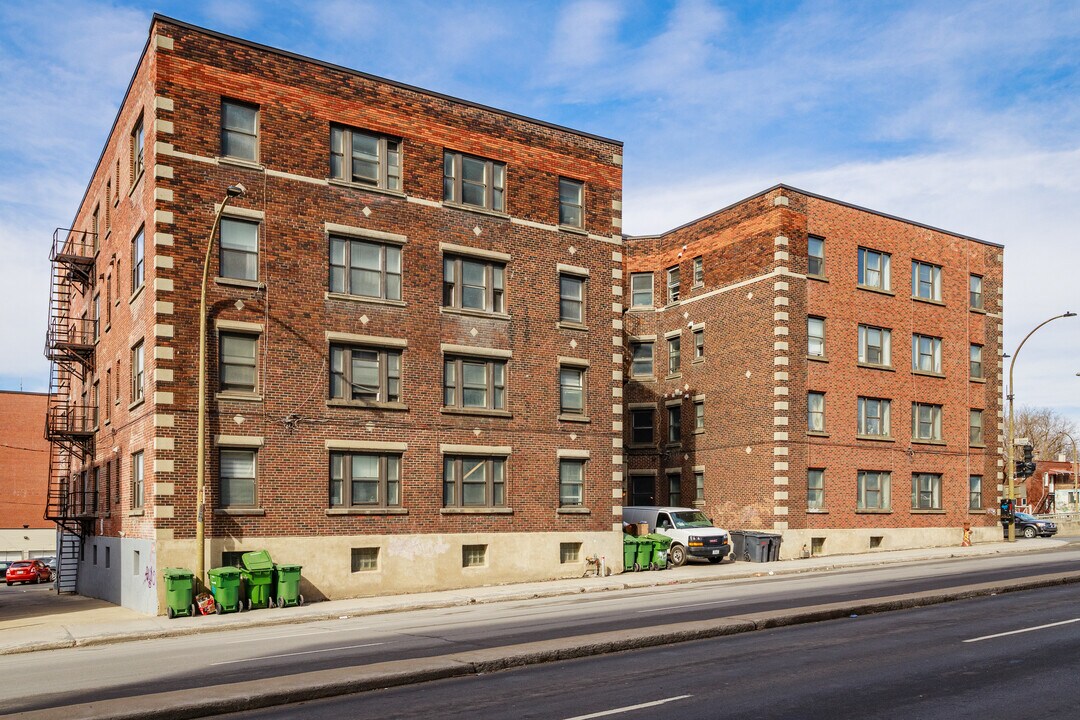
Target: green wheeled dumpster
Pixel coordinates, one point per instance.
(179, 591)
(257, 569)
(225, 587)
(629, 544)
(287, 585)
(644, 558)
(661, 543)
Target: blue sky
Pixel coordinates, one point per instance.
(962, 115)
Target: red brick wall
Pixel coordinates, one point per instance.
(24, 460)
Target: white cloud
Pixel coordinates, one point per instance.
(585, 34)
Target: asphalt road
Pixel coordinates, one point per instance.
(1011, 655)
(80, 675)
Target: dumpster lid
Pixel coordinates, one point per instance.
(177, 573)
(288, 567)
(221, 571)
(257, 560)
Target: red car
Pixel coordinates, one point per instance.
(28, 571)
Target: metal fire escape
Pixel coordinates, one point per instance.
(70, 420)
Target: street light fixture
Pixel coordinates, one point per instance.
(234, 191)
(1010, 465)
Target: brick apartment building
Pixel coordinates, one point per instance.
(1053, 487)
(413, 355)
(24, 477)
(801, 365)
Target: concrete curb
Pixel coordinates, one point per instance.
(253, 695)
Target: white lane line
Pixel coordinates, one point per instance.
(306, 652)
(680, 607)
(628, 708)
(1023, 630)
(277, 637)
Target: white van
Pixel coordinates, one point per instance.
(692, 533)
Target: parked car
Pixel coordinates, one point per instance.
(691, 531)
(28, 571)
(49, 560)
(1030, 526)
(5, 564)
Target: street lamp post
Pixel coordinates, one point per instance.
(1010, 465)
(234, 191)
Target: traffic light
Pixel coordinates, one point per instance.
(1026, 467)
(1006, 509)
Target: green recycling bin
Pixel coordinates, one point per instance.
(661, 543)
(179, 591)
(258, 573)
(629, 544)
(225, 587)
(643, 560)
(287, 585)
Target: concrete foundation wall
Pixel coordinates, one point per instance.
(121, 570)
(19, 544)
(853, 541)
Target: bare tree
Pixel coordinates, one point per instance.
(1048, 431)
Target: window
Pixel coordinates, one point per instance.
(699, 416)
(976, 361)
(571, 390)
(471, 284)
(641, 426)
(571, 299)
(926, 354)
(874, 417)
(363, 268)
(674, 482)
(875, 346)
(641, 362)
(137, 372)
(239, 249)
(569, 552)
(925, 281)
(674, 424)
(473, 555)
(673, 285)
(239, 130)
(95, 227)
(474, 181)
(699, 485)
(815, 256)
(137, 261)
(815, 412)
(925, 491)
(815, 336)
(237, 363)
(108, 390)
(641, 290)
(365, 158)
(95, 403)
(106, 498)
(474, 383)
(874, 270)
(137, 479)
(362, 479)
(137, 151)
(975, 492)
(108, 205)
(96, 321)
(975, 427)
(874, 489)
(975, 292)
(571, 203)
(699, 344)
(474, 481)
(108, 300)
(699, 271)
(925, 422)
(815, 489)
(365, 559)
(674, 348)
(237, 477)
(371, 374)
(571, 483)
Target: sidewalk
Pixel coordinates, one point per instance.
(71, 621)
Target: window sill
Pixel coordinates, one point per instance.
(673, 376)
(873, 511)
(482, 412)
(927, 373)
(475, 209)
(474, 313)
(819, 278)
(238, 282)
(366, 404)
(875, 438)
(928, 301)
(640, 308)
(563, 417)
(137, 512)
(240, 397)
(240, 162)
(108, 422)
(872, 366)
(879, 291)
(674, 445)
(817, 358)
(816, 511)
(108, 327)
(671, 304)
(564, 325)
(979, 446)
(240, 512)
(332, 512)
(927, 511)
(136, 404)
(697, 361)
(698, 431)
(917, 441)
(979, 310)
(476, 511)
(817, 433)
(643, 378)
(573, 510)
(137, 293)
(366, 188)
(135, 182)
(573, 229)
(978, 380)
(363, 299)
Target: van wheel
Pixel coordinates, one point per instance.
(677, 556)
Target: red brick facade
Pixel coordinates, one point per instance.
(24, 460)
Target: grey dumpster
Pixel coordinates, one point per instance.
(752, 546)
